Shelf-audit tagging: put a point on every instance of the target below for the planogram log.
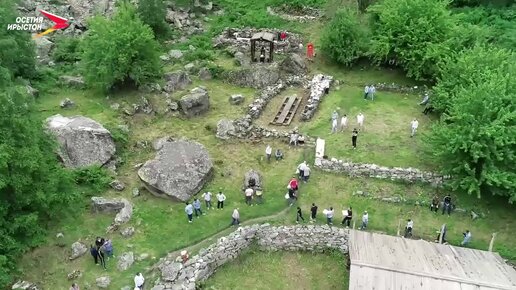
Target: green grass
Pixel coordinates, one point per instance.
(282, 270)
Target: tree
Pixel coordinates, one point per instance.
(414, 34)
(475, 140)
(34, 187)
(153, 13)
(344, 38)
(17, 52)
(120, 50)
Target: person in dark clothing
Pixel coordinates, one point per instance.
(95, 254)
(262, 54)
(354, 136)
(99, 242)
(313, 211)
(347, 219)
(102, 258)
(435, 204)
(299, 215)
(428, 109)
(447, 204)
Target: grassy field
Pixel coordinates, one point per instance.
(282, 270)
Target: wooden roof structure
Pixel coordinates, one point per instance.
(263, 36)
(386, 262)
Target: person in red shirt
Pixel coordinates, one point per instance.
(293, 183)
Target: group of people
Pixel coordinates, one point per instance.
(195, 206)
(329, 214)
(103, 249)
(268, 154)
(446, 204)
(303, 170)
(335, 127)
(369, 92)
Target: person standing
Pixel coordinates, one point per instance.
(447, 204)
(299, 215)
(278, 155)
(268, 153)
(425, 100)
(343, 123)
(347, 219)
(329, 216)
(408, 228)
(334, 126)
(99, 242)
(313, 212)
(249, 196)
(207, 199)
(197, 207)
(467, 238)
(306, 174)
(366, 92)
(220, 200)
(413, 125)
(365, 220)
(334, 116)
(236, 217)
(108, 248)
(301, 168)
(102, 257)
(189, 211)
(293, 184)
(435, 204)
(75, 287)
(139, 281)
(259, 196)
(360, 120)
(354, 137)
(95, 254)
(372, 91)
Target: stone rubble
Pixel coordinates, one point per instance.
(308, 14)
(78, 249)
(393, 87)
(125, 261)
(317, 87)
(25, 285)
(313, 238)
(67, 104)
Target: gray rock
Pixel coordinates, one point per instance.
(83, 142)
(105, 205)
(115, 106)
(158, 144)
(195, 103)
(241, 59)
(127, 232)
(78, 249)
(294, 64)
(171, 271)
(136, 191)
(124, 215)
(252, 174)
(73, 82)
(103, 282)
(190, 67)
(178, 171)
(177, 54)
(172, 106)
(125, 261)
(236, 99)
(178, 80)
(205, 74)
(117, 185)
(225, 129)
(66, 104)
(75, 274)
(43, 48)
(164, 57)
(25, 285)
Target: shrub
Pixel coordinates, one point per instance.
(344, 39)
(94, 177)
(153, 13)
(67, 49)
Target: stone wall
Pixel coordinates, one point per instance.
(307, 14)
(176, 275)
(393, 87)
(317, 87)
(376, 171)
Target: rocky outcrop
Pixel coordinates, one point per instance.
(25, 285)
(257, 76)
(317, 91)
(236, 99)
(177, 275)
(43, 48)
(117, 185)
(205, 74)
(73, 82)
(293, 64)
(83, 141)
(225, 129)
(253, 175)
(177, 80)
(178, 171)
(78, 249)
(196, 103)
(121, 206)
(305, 14)
(103, 282)
(125, 261)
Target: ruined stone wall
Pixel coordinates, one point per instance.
(176, 275)
(317, 87)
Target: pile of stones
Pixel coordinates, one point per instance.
(305, 15)
(317, 90)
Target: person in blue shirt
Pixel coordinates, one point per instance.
(189, 211)
(197, 207)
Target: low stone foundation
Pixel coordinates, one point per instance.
(317, 90)
(313, 238)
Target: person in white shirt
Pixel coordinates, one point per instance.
(408, 228)
(329, 215)
(371, 92)
(207, 199)
(268, 152)
(249, 196)
(139, 281)
(343, 123)
(236, 217)
(365, 220)
(220, 200)
(360, 120)
(306, 173)
(301, 168)
(334, 125)
(413, 125)
(366, 92)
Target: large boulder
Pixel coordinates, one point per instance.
(78, 249)
(257, 76)
(178, 80)
(225, 129)
(236, 99)
(195, 103)
(83, 142)
(253, 175)
(125, 261)
(178, 171)
(43, 48)
(103, 282)
(105, 205)
(293, 64)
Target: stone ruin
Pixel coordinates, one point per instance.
(393, 87)
(179, 170)
(317, 91)
(306, 14)
(238, 40)
(196, 103)
(313, 238)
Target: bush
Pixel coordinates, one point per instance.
(94, 177)
(67, 49)
(344, 38)
(414, 34)
(153, 13)
(129, 52)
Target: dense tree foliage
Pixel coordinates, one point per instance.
(34, 188)
(16, 47)
(475, 140)
(153, 13)
(414, 34)
(67, 49)
(121, 49)
(344, 38)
